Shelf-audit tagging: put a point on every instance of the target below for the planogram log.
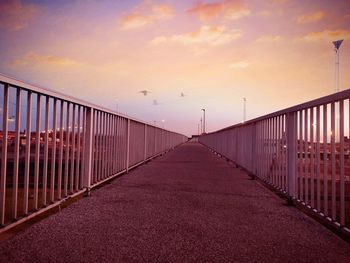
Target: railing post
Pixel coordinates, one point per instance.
(253, 156)
(88, 148)
(128, 146)
(291, 131)
(145, 146)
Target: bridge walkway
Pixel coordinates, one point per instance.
(186, 206)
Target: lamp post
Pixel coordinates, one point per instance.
(244, 109)
(201, 126)
(116, 105)
(203, 120)
(337, 44)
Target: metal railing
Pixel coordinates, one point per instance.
(54, 147)
(303, 151)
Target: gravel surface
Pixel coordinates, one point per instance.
(186, 206)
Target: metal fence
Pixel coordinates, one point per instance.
(304, 151)
(54, 147)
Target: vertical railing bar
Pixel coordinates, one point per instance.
(4, 155)
(77, 166)
(306, 135)
(95, 147)
(318, 157)
(110, 145)
(88, 150)
(37, 153)
(291, 122)
(99, 175)
(66, 164)
(60, 155)
(302, 156)
(16, 154)
(118, 144)
(104, 145)
(83, 145)
(272, 141)
(53, 156)
(127, 146)
(46, 150)
(342, 164)
(325, 160)
(72, 159)
(312, 157)
(115, 138)
(27, 154)
(333, 128)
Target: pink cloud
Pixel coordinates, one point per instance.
(15, 15)
(146, 14)
(210, 35)
(327, 35)
(310, 18)
(33, 58)
(229, 9)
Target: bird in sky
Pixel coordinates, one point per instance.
(182, 94)
(155, 103)
(144, 92)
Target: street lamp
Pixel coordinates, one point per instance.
(203, 120)
(336, 49)
(163, 123)
(201, 126)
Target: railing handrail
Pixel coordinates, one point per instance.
(13, 82)
(345, 94)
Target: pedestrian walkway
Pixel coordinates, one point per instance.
(186, 206)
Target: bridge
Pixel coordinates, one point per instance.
(210, 201)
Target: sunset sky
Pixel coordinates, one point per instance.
(276, 53)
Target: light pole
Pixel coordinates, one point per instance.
(336, 75)
(203, 120)
(201, 126)
(244, 109)
(163, 123)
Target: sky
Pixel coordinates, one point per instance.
(189, 55)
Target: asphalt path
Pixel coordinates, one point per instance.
(186, 206)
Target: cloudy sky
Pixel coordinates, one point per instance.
(189, 54)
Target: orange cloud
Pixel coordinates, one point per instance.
(269, 38)
(211, 35)
(34, 58)
(146, 14)
(310, 18)
(15, 15)
(239, 65)
(230, 9)
(326, 35)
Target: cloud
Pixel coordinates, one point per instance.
(269, 38)
(310, 18)
(158, 40)
(229, 9)
(265, 13)
(146, 14)
(239, 65)
(326, 35)
(32, 58)
(211, 35)
(15, 15)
